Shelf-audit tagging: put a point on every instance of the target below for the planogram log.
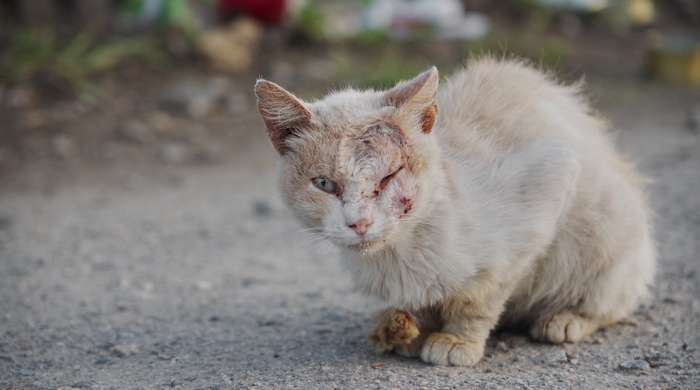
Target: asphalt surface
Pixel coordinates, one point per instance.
(196, 277)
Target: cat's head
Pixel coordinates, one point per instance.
(356, 166)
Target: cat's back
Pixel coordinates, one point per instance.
(495, 105)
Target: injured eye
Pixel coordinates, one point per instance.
(325, 184)
(387, 179)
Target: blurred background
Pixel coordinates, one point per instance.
(142, 240)
(169, 81)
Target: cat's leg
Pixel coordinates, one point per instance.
(468, 321)
(393, 328)
(428, 320)
(607, 298)
(403, 332)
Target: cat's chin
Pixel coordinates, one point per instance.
(367, 247)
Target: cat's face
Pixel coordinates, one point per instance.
(353, 164)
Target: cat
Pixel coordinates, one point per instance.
(497, 199)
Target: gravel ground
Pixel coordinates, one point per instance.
(194, 276)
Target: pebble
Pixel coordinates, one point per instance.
(502, 346)
(209, 152)
(671, 299)
(555, 357)
(102, 360)
(5, 222)
(124, 350)
(262, 208)
(195, 98)
(237, 104)
(20, 97)
(174, 153)
(637, 364)
(63, 146)
(692, 121)
(203, 285)
(136, 132)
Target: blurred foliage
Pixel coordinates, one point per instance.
(310, 22)
(379, 69)
(169, 13)
(383, 63)
(547, 50)
(372, 38)
(40, 55)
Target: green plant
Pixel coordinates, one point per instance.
(311, 22)
(32, 53)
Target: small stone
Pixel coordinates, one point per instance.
(692, 121)
(450, 373)
(208, 152)
(124, 350)
(136, 132)
(20, 97)
(378, 365)
(671, 299)
(555, 357)
(102, 360)
(688, 348)
(637, 364)
(203, 285)
(502, 346)
(194, 97)
(262, 208)
(161, 121)
(237, 104)
(174, 153)
(63, 146)
(5, 222)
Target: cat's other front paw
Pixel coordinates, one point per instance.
(395, 328)
(447, 349)
(565, 327)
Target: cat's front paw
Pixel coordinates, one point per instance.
(395, 328)
(447, 349)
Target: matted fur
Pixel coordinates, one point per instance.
(513, 208)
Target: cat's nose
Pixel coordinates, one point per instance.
(361, 226)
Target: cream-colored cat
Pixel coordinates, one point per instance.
(497, 200)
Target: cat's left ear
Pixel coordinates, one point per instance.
(417, 98)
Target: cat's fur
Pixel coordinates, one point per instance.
(512, 207)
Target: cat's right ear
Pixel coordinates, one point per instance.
(282, 112)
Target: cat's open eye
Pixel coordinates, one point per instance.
(325, 184)
(387, 179)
